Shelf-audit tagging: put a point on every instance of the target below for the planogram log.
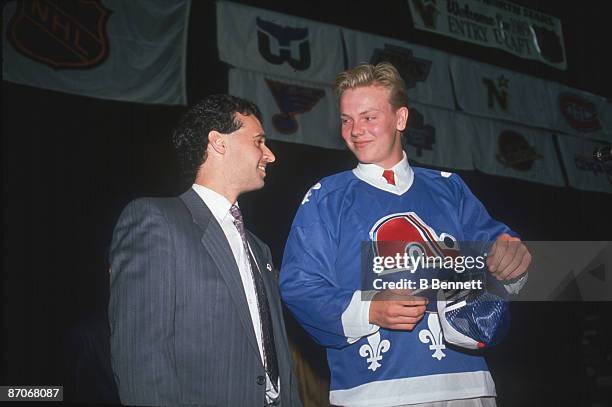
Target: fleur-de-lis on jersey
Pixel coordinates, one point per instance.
(373, 350)
(306, 198)
(433, 335)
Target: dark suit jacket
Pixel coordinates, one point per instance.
(181, 332)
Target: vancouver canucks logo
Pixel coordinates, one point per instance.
(515, 152)
(61, 34)
(419, 135)
(411, 68)
(271, 36)
(497, 92)
(292, 100)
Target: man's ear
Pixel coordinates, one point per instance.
(402, 118)
(216, 142)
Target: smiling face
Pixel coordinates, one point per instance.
(370, 126)
(247, 155)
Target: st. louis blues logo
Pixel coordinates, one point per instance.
(401, 233)
(292, 100)
(283, 37)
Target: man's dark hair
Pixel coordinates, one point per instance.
(215, 112)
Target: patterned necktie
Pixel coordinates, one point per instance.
(389, 176)
(265, 317)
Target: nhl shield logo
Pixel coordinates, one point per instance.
(63, 34)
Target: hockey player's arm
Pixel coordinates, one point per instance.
(508, 258)
(334, 316)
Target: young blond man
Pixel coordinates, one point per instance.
(384, 349)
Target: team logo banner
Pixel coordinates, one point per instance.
(438, 137)
(485, 90)
(515, 151)
(583, 171)
(104, 49)
(579, 112)
(521, 31)
(293, 111)
(424, 70)
(278, 44)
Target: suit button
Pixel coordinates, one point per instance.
(261, 380)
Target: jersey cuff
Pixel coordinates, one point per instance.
(356, 317)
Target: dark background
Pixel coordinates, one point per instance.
(70, 164)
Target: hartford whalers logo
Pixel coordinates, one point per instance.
(275, 44)
(373, 350)
(433, 335)
(292, 100)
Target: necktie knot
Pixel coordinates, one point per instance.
(389, 176)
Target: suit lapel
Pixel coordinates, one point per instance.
(215, 242)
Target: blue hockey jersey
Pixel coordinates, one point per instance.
(320, 283)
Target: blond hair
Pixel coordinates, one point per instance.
(383, 74)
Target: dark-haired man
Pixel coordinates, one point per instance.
(194, 310)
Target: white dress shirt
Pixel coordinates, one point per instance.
(220, 206)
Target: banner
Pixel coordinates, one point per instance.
(293, 111)
(515, 151)
(438, 137)
(583, 171)
(425, 71)
(122, 50)
(518, 30)
(278, 44)
(579, 112)
(489, 91)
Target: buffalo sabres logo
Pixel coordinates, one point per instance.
(283, 39)
(411, 69)
(407, 233)
(292, 100)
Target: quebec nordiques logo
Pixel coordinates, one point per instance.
(292, 100)
(61, 33)
(401, 233)
(580, 114)
(410, 68)
(515, 152)
(283, 36)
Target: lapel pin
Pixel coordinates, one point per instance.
(268, 266)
